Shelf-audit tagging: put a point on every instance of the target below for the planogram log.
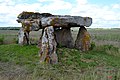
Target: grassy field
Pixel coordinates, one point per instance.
(11, 36)
(22, 62)
(99, 36)
(103, 36)
(106, 36)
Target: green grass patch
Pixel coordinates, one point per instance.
(19, 54)
(72, 65)
(1, 39)
(23, 55)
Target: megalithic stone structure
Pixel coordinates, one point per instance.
(33, 21)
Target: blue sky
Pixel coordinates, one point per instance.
(105, 13)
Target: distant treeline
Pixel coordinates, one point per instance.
(9, 28)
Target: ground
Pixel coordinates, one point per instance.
(101, 63)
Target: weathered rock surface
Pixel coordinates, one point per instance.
(48, 47)
(66, 21)
(64, 38)
(21, 37)
(83, 39)
(41, 20)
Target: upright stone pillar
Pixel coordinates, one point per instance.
(23, 37)
(83, 39)
(40, 40)
(48, 47)
(64, 37)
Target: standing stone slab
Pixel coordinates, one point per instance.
(40, 40)
(27, 37)
(64, 37)
(48, 47)
(83, 39)
(23, 37)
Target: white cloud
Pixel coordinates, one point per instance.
(28, 7)
(108, 15)
(56, 5)
(116, 6)
(7, 2)
(10, 10)
(48, 0)
(82, 2)
(103, 16)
